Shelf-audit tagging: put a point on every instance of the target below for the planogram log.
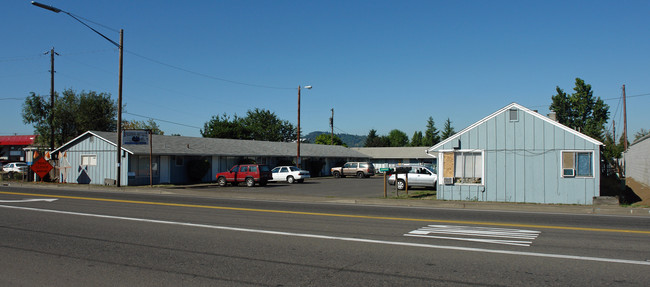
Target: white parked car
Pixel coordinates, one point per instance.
(15, 167)
(290, 174)
(418, 175)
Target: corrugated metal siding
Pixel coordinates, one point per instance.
(637, 162)
(106, 162)
(522, 163)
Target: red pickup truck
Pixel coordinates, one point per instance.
(248, 173)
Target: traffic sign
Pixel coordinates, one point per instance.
(41, 167)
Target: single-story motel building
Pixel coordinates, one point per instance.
(512, 155)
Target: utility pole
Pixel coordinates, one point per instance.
(624, 122)
(614, 131)
(332, 127)
(51, 117)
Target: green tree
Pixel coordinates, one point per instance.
(397, 138)
(223, 127)
(417, 139)
(326, 139)
(259, 124)
(431, 135)
(150, 124)
(581, 110)
(448, 130)
(264, 125)
(73, 114)
(373, 140)
(641, 133)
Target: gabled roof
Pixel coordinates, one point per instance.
(17, 140)
(520, 107)
(180, 145)
(394, 152)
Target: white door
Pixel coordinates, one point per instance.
(164, 169)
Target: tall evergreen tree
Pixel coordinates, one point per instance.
(373, 140)
(447, 131)
(431, 135)
(417, 139)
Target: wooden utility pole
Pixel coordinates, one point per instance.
(51, 117)
(624, 122)
(332, 127)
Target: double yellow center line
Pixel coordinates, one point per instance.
(337, 215)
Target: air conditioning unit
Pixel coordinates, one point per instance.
(448, 180)
(569, 172)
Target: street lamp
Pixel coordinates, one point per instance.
(298, 153)
(120, 47)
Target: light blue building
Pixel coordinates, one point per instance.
(518, 155)
(91, 158)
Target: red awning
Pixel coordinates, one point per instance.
(17, 140)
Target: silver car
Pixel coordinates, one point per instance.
(418, 175)
(15, 167)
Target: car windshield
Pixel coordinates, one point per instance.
(264, 168)
(293, 168)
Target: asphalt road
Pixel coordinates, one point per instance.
(110, 238)
(349, 187)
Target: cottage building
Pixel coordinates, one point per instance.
(518, 155)
(91, 158)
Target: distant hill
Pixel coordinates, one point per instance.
(348, 139)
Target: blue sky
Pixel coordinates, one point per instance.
(380, 65)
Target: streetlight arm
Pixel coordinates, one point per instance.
(57, 10)
(46, 7)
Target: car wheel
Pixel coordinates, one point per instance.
(250, 182)
(360, 175)
(401, 185)
(337, 174)
(290, 179)
(222, 181)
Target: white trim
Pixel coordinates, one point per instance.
(575, 163)
(84, 134)
(506, 108)
(441, 163)
(91, 156)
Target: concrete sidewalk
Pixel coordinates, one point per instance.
(608, 207)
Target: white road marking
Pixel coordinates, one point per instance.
(29, 200)
(349, 239)
(477, 234)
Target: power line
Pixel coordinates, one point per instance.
(206, 75)
(161, 120)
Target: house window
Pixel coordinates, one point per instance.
(89, 159)
(465, 167)
(577, 164)
(514, 116)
